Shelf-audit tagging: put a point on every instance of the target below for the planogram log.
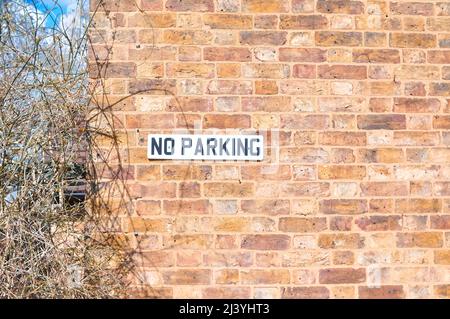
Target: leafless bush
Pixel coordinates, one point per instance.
(60, 200)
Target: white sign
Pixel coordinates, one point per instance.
(205, 147)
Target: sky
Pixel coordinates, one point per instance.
(62, 11)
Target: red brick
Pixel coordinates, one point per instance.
(442, 257)
(439, 57)
(384, 189)
(379, 223)
(340, 6)
(412, 8)
(306, 122)
(439, 89)
(152, 86)
(265, 242)
(266, 104)
(228, 21)
(302, 55)
(440, 222)
(342, 275)
(342, 138)
(227, 54)
(304, 71)
(376, 56)
(226, 292)
(418, 206)
(160, 121)
(266, 173)
(229, 87)
(263, 276)
(262, 37)
(187, 277)
(420, 240)
(351, 72)
(302, 225)
(342, 172)
(261, 6)
(229, 189)
(185, 206)
(305, 293)
(113, 70)
(303, 22)
(382, 122)
(416, 105)
(441, 122)
(226, 121)
(382, 292)
(412, 40)
(266, 207)
(343, 206)
(338, 38)
(340, 241)
(190, 5)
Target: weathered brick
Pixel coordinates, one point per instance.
(382, 292)
(416, 105)
(230, 189)
(416, 138)
(412, 8)
(376, 56)
(262, 38)
(229, 87)
(265, 71)
(341, 104)
(340, 241)
(262, 206)
(304, 71)
(342, 275)
(303, 22)
(267, 277)
(302, 55)
(318, 292)
(382, 122)
(343, 206)
(379, 223)
(265, 242)
(227, 54)
(302, 225)
(342, 138)
(342, 172)
(338, 38)
(150, 121)
(419, 239)
(190, 5)
(384, 189)
(187, 277)
(314, 122)
(438, 24)
(261, 6)
(185, 206)
(257, 172)
(340, 6)
(440, 89)
(228, 21)
(351, 72)
(440, 222)
(412, 40)
(442, 257)
(306, 155)
(266, 87)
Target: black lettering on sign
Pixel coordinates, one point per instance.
(205, 147)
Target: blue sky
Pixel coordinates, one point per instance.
(58, 8)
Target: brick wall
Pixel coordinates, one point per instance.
(353, 197)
